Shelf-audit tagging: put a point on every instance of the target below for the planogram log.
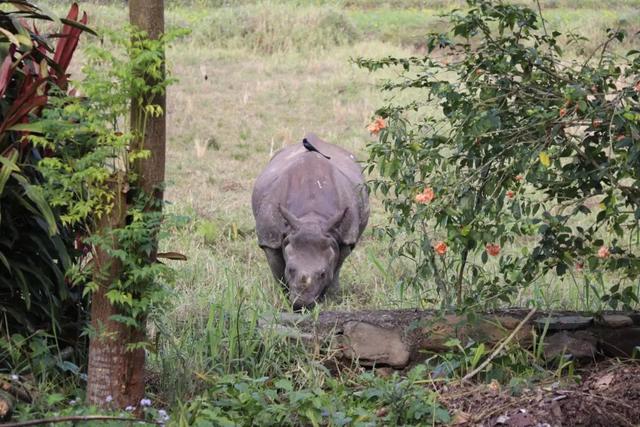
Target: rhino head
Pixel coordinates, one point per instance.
(311, 252)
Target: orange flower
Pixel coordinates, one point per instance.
(603, 252)
(440, 247)
(377, 125)
(637, 86)
(563, 112)
(479, 71)
(519, 178)
(579, 266)
(620, 137)
(596, 123)
(426, 196)
(511, 194)
(493, 249)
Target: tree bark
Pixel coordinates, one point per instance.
(114, 378)
(116, 374)
(148, 15)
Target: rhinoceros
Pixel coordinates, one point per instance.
(311, 206)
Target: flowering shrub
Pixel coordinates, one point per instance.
(520, 161)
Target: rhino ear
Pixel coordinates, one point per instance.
(290, 218)
(333, 224)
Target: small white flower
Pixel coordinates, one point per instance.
(163, 415)
(130, 408)
(73, 402)
(108, 399)
(14, 377)
(145, 402)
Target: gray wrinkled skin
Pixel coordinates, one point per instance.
(310, 212)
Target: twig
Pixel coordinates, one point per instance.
(544, 27)
(76, 418)
(500, 347)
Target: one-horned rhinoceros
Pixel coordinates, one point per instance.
(311, 206)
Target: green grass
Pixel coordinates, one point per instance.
(278, 26)
(259, 96)
(253, 78)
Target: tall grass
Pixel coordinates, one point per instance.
(234, 331)
(274, 27)
(305, 26)
(264, 28)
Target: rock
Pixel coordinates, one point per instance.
(564, 323)
(507, 322)
(373, 345)
(436, 332)
(489, 330)
(565, 343)
(619, 342)
(586, 335)
(615, 321)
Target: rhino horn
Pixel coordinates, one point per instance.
(290, 218)
(334, 222)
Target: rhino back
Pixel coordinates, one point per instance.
(307, 184)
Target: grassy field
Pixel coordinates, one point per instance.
(258, 84)
(253, 78)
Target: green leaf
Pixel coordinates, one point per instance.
(5, 262)
(7, 167)
(54, 398)
(34, 127)
(284, 384)
(36, 195)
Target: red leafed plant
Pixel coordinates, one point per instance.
(34, 248)
(31, 65)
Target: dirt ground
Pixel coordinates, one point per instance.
(606, 395)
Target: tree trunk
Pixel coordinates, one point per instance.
(148, 15)
(114, 373)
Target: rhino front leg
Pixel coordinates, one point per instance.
(276, 262)
(334, 288)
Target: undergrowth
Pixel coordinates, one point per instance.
(365, 400)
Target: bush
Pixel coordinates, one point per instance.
(511, 160)
(35, 248)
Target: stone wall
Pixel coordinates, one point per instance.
(398, 338)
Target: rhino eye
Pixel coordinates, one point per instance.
(292, 271)
(323, 274)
